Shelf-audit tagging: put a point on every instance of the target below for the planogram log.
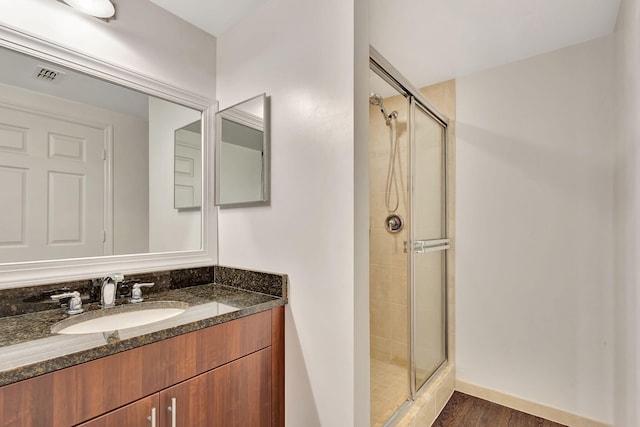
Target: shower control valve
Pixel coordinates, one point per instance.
(394, 223)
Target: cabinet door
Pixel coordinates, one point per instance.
(242, 392)
(237, 394)
(137, 414)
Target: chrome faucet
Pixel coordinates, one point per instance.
(109, 288)
(75, 303)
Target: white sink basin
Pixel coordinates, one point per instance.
(121, 317)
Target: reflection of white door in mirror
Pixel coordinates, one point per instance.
(188, 167)
(130, 214)
(54, 184)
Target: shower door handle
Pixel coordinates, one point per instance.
(424, 246)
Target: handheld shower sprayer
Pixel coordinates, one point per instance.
(376, 100)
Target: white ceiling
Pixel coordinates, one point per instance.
(212, 16)
(430, 41)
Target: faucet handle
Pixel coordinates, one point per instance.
(75, 303)
(136, 292)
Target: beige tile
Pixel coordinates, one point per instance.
(378, 173)
(444, 392)
(399, 323)
(399, 353)
(379, 315)
(399, 284)
(380, 348)
(398, 255)
(379, 249)
(406, 422)
(426, 415)
(377, 210)
(389, 390)
(380, 283)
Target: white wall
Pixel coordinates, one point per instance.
(301, 53)
(534, 267)
(627, 204)
(170, 229)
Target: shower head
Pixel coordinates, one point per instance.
(375, 99)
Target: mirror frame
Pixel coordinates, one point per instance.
(20, 274)
(266, 155)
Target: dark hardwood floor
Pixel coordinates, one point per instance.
(463, 410)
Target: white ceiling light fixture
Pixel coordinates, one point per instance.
(102, 9)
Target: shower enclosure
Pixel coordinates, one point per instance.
(408, 241)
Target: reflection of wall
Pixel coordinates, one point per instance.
(169, 228)
(241, 171)
(535, 220)
(130, 158)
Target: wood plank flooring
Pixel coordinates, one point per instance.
(463, 410)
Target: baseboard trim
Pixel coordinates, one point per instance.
(533, 408)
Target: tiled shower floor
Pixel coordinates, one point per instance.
(389, 390)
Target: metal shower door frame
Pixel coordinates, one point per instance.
(391, 75)
(416, 247)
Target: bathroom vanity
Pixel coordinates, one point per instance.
(204, 367)
(143, 160)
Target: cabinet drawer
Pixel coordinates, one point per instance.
(217, 346)
(136, 414)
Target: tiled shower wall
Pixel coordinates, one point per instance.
(388, 261)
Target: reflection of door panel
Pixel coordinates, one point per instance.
(53, 187)
(188, 170)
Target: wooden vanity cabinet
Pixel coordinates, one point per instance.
(230, 374)
(236, 394)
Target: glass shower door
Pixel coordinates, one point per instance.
(428, 245)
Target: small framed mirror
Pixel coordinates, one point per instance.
(187, 171)
(242, 154)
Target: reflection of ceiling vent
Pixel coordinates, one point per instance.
(47, 74)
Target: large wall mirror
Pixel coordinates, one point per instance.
(242, 154)
(88, 167)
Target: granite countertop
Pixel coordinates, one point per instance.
(28, 348)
